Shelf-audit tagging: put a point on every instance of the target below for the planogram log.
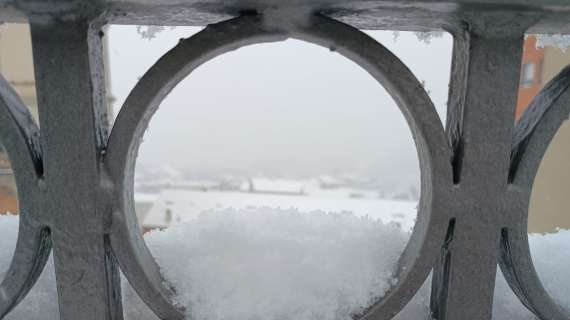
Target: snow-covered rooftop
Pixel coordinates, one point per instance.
(186, 205)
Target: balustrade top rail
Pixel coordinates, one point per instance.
(75, 174)
(417, 15)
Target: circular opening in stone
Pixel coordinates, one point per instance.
(280, 180)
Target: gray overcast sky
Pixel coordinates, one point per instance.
(288, 109)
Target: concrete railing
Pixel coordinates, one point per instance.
(75, 176)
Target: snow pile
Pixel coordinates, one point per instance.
(560, 41)
(278, 264)
(283, 264)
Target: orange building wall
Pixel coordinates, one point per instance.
(527, 91)
(8, 201)
(8, 191)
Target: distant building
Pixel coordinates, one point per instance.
(549, 202)
(143, 204)
(275, 186)
(330, 182)
(532, 74)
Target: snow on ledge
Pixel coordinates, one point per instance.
(272, 263)
(275, 264)
(560, 41)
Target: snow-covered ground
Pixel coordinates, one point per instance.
(186, 205)
(277, 264)
(285, 264)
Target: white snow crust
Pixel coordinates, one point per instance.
(284, 264)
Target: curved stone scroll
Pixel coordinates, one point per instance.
(20, 137)
(421, 251)
(533, 134)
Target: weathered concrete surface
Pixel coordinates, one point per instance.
(554, 15)
(71, 103)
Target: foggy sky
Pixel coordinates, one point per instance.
(282, 109)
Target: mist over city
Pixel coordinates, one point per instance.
(288, 110)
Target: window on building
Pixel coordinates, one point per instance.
(540, 72)
(527, 74)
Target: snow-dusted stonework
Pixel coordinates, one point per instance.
(75, 174)
(560, 41)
